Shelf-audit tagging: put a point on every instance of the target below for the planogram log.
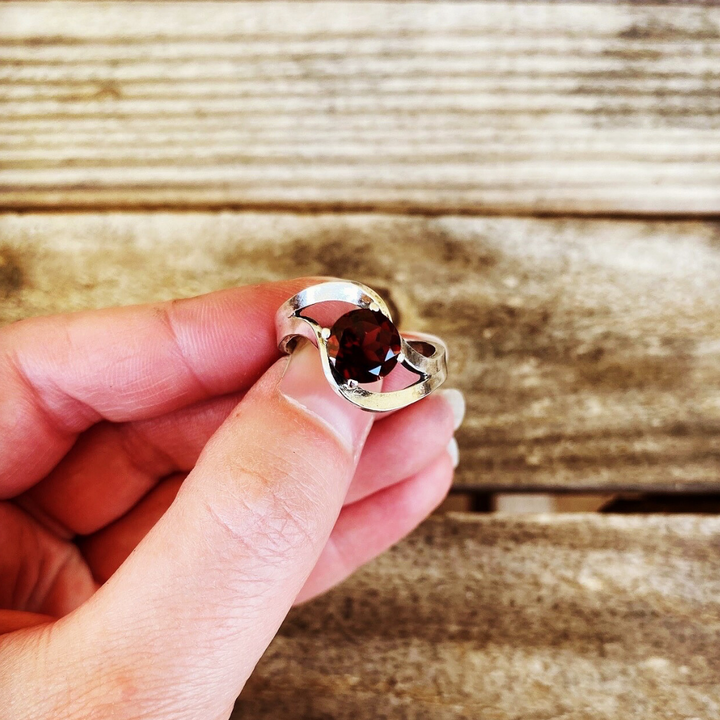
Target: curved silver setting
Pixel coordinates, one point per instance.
(291, 325)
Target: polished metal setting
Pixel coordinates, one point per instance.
(431, 368)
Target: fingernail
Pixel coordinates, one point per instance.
(456, 400)
(454, 452)
(305, 384)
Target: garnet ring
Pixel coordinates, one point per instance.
(362, 346)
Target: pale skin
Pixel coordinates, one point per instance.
(169, 487)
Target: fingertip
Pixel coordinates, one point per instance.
(401, 446)
(304, 384)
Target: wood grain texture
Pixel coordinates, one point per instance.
(577, 617)
(432, 107)
(589, 351)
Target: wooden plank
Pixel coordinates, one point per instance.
(589, 351)
(592, 617)
(433, 107)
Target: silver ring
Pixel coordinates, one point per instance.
(362, 345)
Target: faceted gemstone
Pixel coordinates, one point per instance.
(364, 345)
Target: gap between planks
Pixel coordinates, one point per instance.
(350, 210)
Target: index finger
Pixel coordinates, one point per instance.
(61, 374)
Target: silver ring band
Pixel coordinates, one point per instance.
(423, 354)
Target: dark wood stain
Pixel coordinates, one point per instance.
(12, 276)
(643, 42)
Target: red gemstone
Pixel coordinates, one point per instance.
(364, 345)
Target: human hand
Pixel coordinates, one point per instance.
(169, 488)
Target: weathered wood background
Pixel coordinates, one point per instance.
(583, 616)
(442, 106)
(539, 183)
(589, 351)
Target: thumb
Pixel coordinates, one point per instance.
(176, 632)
